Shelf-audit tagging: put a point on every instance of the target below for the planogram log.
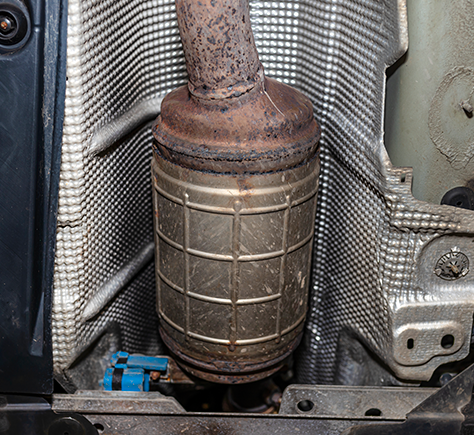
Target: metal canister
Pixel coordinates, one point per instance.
(235, 176)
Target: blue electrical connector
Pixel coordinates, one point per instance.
(131, 372)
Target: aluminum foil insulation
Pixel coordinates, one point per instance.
(381, 253)
(123, 57)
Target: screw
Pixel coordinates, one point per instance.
(445, 378)
(452, 265)
(6, 24)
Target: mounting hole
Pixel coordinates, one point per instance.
(99, 427)
(373, 412)
(447, 341)
(410, 343)
(305, 405)
(66, 426)
(403, 178)
(462, 197)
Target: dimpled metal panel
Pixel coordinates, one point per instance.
(346, 84)
(376, 246)
(122, 58)
(94, 247)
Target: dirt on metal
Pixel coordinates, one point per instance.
(230, 117)
(240, 151)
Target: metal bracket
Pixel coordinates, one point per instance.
(338, 401)
(448, 411)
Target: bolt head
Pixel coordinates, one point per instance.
(155, 375)
(6, 24)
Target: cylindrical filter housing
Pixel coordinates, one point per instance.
(233, 266)
(235, 175)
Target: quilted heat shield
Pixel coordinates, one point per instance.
(376, 247)
(380, 254)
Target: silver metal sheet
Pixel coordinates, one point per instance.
(375, 255)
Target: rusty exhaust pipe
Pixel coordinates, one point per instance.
(235, 175)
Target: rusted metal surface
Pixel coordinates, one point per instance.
(174, 375)
(225, 369)
(235, 175)
(230, 118)
(268, 129)
(221, 57)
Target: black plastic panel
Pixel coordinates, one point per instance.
(32, 84)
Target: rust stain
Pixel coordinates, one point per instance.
(245, 186)
(230, 118)
(228, 369)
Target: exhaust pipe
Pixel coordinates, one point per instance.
(235, 175)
